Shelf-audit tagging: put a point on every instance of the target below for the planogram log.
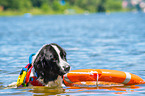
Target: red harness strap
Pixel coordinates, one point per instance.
(28, 74)
(35, 82)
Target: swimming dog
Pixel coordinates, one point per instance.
(47, 68)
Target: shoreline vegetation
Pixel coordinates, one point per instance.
(44, 7)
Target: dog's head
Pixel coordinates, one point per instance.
(50, 62)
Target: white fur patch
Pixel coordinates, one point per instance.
(62, 62)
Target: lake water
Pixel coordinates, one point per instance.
(113, 41)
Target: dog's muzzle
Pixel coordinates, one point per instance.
(65, 67)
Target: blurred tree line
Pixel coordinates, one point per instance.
(62, 5)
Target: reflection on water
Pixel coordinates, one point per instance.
(104, 89)
(36, 90)
(83, 90)
(115, 41)
(46, 91)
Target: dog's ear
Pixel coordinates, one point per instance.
(40, 59)
(42, 51)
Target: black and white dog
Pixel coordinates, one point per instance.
(46, 68)
(50, 64)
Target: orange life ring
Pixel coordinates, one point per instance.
(85, 75)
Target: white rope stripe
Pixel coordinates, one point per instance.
(90, 73)
(128, 78)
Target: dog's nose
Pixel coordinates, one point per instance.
(66, 68)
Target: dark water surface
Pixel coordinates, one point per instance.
(102, 41)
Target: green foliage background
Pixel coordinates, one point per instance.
(18, 7)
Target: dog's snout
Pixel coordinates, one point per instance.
(66, 68)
